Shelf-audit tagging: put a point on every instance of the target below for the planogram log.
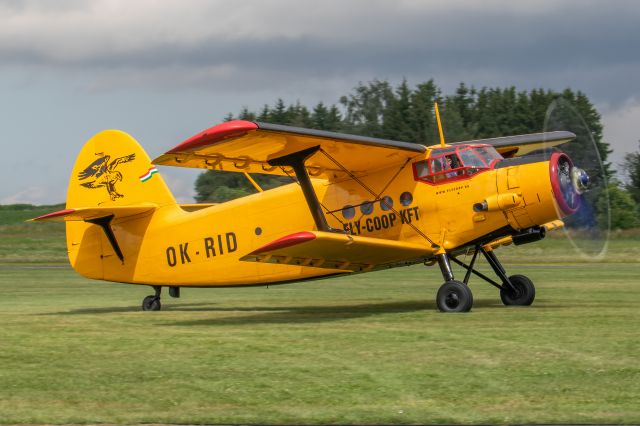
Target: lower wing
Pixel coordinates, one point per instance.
(339, 251)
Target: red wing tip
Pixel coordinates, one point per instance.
(215, 134)
(288, 241)
(55, 214)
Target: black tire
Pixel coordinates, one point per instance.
(454, 296)
(151, 303)
(523, 296)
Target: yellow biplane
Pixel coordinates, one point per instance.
(355, 204)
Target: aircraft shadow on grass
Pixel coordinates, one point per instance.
(277, 314)
(304, 314)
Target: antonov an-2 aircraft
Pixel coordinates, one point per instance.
(355, 204)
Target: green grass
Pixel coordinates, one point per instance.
(364, 349)
(368, 348)
(38, 243)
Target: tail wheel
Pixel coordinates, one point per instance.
(151, 303)
(524, 293)
(454, 296)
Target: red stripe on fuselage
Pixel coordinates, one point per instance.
(288, 241)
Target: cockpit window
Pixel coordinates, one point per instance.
(471, 159)
(421, 169)
(488, 154)
(455, 162)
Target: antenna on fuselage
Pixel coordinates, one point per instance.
(439, 125)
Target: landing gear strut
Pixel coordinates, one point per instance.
(152, 303)
(455, 296)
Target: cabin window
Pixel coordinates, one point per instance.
(406, 198)
(366, 207)
(348, 212)
(386, 203)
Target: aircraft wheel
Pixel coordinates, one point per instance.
(524, 294)
(454, 296)
(151, 303)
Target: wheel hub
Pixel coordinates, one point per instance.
(452, 300)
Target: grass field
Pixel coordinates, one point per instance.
(367, 348)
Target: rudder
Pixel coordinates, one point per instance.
(112, 169)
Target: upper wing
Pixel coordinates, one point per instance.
(516, 146)
(244, 146)
(339, 251)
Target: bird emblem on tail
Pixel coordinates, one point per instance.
(104, 173)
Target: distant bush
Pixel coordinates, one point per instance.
(22, 207)
(16, 214)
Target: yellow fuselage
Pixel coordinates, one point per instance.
(172, 246)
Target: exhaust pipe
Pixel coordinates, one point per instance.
(529, 236)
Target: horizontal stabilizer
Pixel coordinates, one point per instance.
(91, 213)
(339, 251)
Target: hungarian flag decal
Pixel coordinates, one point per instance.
(145, 177)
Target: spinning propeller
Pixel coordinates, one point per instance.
(580, 182)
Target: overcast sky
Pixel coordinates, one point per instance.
(165, 70)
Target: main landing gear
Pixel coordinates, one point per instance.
(455, 296)
(152, 303)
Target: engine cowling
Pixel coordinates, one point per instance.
(547, 187)
(568, 182)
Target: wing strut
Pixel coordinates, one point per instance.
(377, 196)
(296, 162)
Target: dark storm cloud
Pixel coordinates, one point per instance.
(586, 43)
(165, 69)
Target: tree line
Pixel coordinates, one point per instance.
(405, 113)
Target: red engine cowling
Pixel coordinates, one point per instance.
(567, 182)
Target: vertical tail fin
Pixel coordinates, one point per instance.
(112, 169)
(112, 180)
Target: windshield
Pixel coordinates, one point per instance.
(471, 159)
(488, 153)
